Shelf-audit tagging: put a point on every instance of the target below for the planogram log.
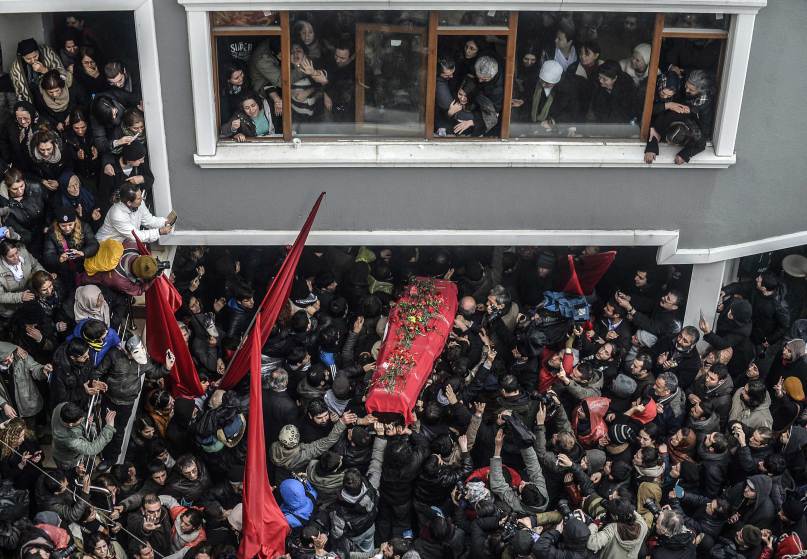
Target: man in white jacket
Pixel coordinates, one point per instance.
(131, 214)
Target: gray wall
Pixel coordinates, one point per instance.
(13, 29)
(762, 195)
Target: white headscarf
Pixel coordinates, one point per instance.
(86, 305)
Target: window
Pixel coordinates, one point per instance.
(397, 73)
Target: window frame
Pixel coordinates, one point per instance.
(423, 152)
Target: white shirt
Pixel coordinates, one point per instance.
(120, 221)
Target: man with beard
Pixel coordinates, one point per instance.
(611, 326)
(713, 455)
(670, 403)
(771, 316)
(340, 85)
(553, 362)
(715, 386)
(752, 451)
(641, 371)
(679, 356)
(732, 331)
(662, 321)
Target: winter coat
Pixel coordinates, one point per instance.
(719, 396)
(688, 363)
(672, 416)
(20, 71)
(123, 376)
(63, 504)
(328, 486)
(610, 544)
(714, 470)
(70, 443)
(20, 380)
(26, 216)
(752, 418)
(452, 547)
(572, 545)
(279, 410)
(760, 512)
(11, 289)
(615, 106)
(68, 378)
(678, 546)
(195, 491)
(97, 355)
(500, 488)
(54, 247)
(697, 519)
(397, 480)
(771, 315)
(736, 335)
(436, 481)
(296, 505)
(660, 322)
(357, 511)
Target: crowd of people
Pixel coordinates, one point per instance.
(623, 434)
(566, 82)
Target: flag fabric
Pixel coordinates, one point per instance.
(587, 272)
(162, 333)
(272, 303)
(264, 525)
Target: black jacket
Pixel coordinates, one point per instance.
(435, 482)
(68, 378)
(572, 545)
(659, 323)
(397, 480)
(54, 248)
(688, 363)
(679, 546)
(278, 410)
(122, 375)
(771, 315)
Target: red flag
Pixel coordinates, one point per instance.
(587, 272)
(162, 333)
(273, 301)
(264, 525)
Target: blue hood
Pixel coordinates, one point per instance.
(295, 503)
(111, 340)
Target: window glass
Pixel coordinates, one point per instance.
(359, 73)
(245, 19)
(469, 90)
(581, 74)
(474, 18)
(697, 21)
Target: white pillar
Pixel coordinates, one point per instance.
(704, 293)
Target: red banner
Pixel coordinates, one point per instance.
(424, 350)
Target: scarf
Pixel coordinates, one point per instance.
(54, 158)
(653, 472)
(685, 449)
(180, 540)
(49, 304)
(56, 105)
(16, 270)
(86, 304)
(84, 198)
(540, 113)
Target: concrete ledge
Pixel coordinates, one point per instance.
(501, 153)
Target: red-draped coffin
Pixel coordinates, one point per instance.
(425, 350)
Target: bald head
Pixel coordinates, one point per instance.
(468, 304)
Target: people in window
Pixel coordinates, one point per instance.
(466, 59)
(525, 81)
(444, 95)
(638, 64)
(586, 71)
(106, 116)
(487, 98)
(699, 98)
(69, 46)
(234, 85)
(564, 52)
(78, 141)
(676, 129)
(307, 79)
(132, 125)
(88, 71)
(555, 100)
(303, 33)
(339, 95)
(54, 99)
(252, 119)
(122, 85)
(264, 74)
(612, 101)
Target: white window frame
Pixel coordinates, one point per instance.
(146, 33)
(210, 153)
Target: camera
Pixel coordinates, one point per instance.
(163, 265)
(63, 553)
(564, 508)
(653, 507)
(509, 527)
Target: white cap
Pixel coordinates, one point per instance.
(551, 72)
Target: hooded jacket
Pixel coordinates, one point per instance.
(327, 486)
(122, 376)
(610, 544)
(296, 505)
(436, 481)
(97, 355)
(68, 378)
(70, 443)
(760, 512)
(10, 289)
(296, 459)
(677, 546)
(500, 488)
(597, 408)
(19, 381)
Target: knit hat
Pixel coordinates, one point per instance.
(65, 214)
(134, 346)
(134, 152)
(27, 46)
(741, 311)
(546, 259)
(794, 388)
(646, 338)
(50, 517)
(144, 267)
(644, 51)
(795, 265)
(289, 436)
(623, 386)
(596, 460)
(792, 507)
(476, 491)
(620, 433)
(301, 294)
(752, 536)
(551, 72)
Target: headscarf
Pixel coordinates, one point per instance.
(85, 198)
(25, 134)
(86, 304)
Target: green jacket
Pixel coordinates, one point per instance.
(296, 459)
(23, 373)
(70, 444)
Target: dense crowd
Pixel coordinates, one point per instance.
(610, 434)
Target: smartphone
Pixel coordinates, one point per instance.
(136, 136)
(679, 491)
(171, 218)
(701, 313)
